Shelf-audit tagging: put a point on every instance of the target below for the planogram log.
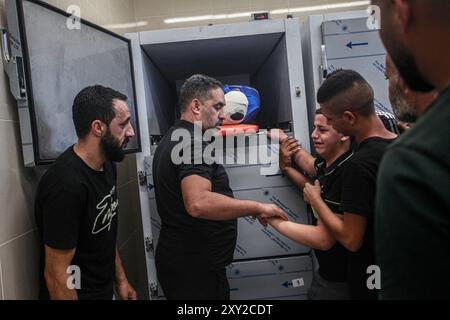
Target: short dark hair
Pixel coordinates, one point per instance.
(198, 87)
(94, 103)
(361, 95)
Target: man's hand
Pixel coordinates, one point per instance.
(312, 193)
(269, 210)
(403, 126)
(288, 148)
(126, 291)
(263, 221)
(274, 133)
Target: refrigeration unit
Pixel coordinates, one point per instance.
(265, 55)
(345, 40)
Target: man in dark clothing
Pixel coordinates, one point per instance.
(76, 204)
(347, 100)
(195, 202)
(413, 201)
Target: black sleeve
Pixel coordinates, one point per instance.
(62, 210)
(197, 166)
(358, 190)
(202, 170)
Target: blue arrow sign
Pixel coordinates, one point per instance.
(351, 44)
(287, 284)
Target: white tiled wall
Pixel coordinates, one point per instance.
(18, 262)
(19, 258)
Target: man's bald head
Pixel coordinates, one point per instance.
(347, 90)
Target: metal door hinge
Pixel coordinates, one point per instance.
(324, 64)
(153, 290)
(148, 244)
(142, 176)
(14, 65)
(6, 46)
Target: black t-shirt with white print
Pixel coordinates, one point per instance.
(76, 207)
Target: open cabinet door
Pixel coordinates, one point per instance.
(50, 56)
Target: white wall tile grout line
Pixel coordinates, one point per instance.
(6, 120)
(1, 281)
(24, 234)
(128, 239)
(126, 183)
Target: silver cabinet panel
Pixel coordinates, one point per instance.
(286, 278)
(350, 44)
(255, 241)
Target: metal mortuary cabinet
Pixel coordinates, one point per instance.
(267, 56)
(345, 40)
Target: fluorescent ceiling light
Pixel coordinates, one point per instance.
(322, 7)
(126, 25)
(278, 11)
(209, 17)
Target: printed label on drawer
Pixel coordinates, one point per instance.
(298, 282)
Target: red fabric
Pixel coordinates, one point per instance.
(237, 129)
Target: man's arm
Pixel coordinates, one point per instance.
(317, 237)
(123, 287)
(348, 231)
(55, 273)
(201, 202)
(288, 148)
(305, 161)
(298, 179)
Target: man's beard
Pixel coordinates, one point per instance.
(408, 69)
(402, 110)
(112, 148)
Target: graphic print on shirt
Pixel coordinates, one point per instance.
(107, 209)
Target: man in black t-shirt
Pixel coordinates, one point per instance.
(195, 203)
(330, 275)
(76, 204)
(347, 100)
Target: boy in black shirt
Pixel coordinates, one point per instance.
(76, 204)
(330, 278)
(347, 100)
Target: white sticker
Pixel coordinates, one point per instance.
(298, 282)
